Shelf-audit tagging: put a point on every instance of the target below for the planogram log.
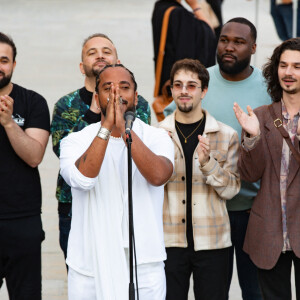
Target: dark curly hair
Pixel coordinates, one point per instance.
(114, 66)
(270, 69)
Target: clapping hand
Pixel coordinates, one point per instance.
(203, 149)
(6, 110)
(249, 122)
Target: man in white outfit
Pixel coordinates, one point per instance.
(94, 163)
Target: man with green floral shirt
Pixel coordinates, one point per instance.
(78, 109)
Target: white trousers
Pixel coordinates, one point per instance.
(151, 282)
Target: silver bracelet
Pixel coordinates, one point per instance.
(103, 133)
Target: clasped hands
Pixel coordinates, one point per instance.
(6, 110)
(114, 116)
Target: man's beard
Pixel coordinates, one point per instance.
(185, 109)
(291, 92)
(94, 71)
(91, 72)
(295, 90)
(5, 80)
(233, 69)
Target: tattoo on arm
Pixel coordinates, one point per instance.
(78, 161)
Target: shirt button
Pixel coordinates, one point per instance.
(183, 201)
(183, 178)
(183, 220)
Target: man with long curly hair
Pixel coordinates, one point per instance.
(273, 234)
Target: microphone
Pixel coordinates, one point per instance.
(129, 117)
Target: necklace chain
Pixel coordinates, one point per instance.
(186, 137)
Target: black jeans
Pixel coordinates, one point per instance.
(276, 283)
(209, 268)
(247, 271)
(20, 257)
(64, 231)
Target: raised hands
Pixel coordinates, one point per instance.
(203, 150)
(6, 110)
(114, 115)
(249, 122)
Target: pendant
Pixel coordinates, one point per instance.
(185, 141)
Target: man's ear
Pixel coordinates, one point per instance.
(96, 98)
(136, 98)
(204, 91)
(81, 68)
(14, 65)
(253, 48)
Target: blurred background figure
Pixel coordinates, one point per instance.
(216, 6)
(282, 14)
(189, 35)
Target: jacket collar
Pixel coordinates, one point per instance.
(211, 124)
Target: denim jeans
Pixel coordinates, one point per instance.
(64, 230)
(247, 271)
(283, 19)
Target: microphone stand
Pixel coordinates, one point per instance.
(130, 214)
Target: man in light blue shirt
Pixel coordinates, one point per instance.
(235, 80)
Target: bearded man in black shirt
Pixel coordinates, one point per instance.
(24, 133)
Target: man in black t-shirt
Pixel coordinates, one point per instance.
(196, 223)
(24, 133)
